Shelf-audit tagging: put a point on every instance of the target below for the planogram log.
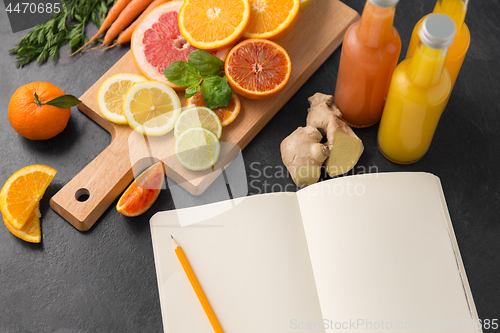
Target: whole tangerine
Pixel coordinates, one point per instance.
(33, 120)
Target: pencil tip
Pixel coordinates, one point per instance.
(172, 236)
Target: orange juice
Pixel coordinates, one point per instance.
(370, 52)
(418, 93)
(456, 9)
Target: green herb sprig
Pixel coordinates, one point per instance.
(68, 26)
(201, 72)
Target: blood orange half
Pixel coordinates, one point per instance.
(258, 68)
(157, 42)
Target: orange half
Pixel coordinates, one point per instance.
(227, 114)
(272, 19)
(258, 68)
(213, 24)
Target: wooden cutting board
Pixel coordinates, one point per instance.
(84, 199)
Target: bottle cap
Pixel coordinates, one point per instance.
(437, 31)
(384, 3)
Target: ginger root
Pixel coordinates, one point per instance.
(303, 155)
(345, 147)
(302, 152)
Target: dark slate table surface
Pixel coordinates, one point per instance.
(104, 280)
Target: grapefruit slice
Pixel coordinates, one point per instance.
(143, 191)
(258, 68)
(157, 42)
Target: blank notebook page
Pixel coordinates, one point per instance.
(382, 256)
(251, 260)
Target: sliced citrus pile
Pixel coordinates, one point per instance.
(272, 19)
(213, 24)
(31, 231)
(151, 108)
(258, 68)
(157, 42)
(111, 94)
(197, 149)
(143, 191)
(19, 201)
(198, 116)
(226, 113)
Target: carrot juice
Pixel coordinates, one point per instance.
(370, 52)
(418, 93)
(456, 9)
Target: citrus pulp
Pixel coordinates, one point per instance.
(157, 42)
(143, 191)
(111, 94)
(258, 68)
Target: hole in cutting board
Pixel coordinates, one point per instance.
(82, 195)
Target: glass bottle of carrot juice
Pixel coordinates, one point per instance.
(419, 91)
(370, 53)
(456, 9)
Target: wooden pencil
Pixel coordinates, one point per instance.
(197, 287)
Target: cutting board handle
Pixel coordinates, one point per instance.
(85, 198)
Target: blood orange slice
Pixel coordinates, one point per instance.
(157, 42)
(143, 191)
(226, 113)
(258, 68)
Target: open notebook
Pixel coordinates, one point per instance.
(360, 253)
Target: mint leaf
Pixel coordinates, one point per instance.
(216, 91)
(192, 90)
(182, 73)
(206, 63)
(65, 101)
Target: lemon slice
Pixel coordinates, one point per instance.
(151, 108)
(198, 116)
(111, 94)
(197, 148)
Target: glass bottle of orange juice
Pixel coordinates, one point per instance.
(370, 53)
(456, 9)
(419, 91)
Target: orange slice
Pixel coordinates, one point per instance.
(213, 24)
(30, 232)
(272, 19)
(21, 193)
(143, 191)
(226, 114)
(258, 68)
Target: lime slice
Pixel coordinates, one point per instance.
(151, 108)
(198, 116)
(111, 94)
(197, 148)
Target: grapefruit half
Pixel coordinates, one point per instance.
(157, 42)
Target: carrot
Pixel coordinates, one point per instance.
(112, 15)
(126, 35)
(126, 17)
